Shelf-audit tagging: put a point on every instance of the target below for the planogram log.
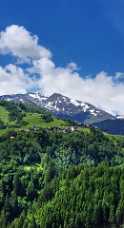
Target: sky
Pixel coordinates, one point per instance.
(72, 47)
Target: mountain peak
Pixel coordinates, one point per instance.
(57, 96)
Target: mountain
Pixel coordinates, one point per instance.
(115, 126)
(75, 110)
(49, 165)
(63, 107)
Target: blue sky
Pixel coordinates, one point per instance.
(90, 33)
(73, 47)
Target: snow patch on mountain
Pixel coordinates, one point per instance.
(37, 96)
(74, 102)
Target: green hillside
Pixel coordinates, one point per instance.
(31, 118)
(35, 119)
(4, 114)
(53, 176)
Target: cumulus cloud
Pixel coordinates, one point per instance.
(13, 80)
(103, 90)
(16, 40)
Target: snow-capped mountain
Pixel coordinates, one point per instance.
(63, 107)
(76, 110)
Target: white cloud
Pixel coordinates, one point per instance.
(16, 40)
(13, 80)
(103, 90)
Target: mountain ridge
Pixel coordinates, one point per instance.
(63, 106)
(67, 108)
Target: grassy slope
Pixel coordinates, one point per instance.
(4, 114)
(35, 120)
(32, 120)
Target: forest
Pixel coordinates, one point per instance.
(56, 177)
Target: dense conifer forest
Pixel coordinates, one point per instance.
(53, 175)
